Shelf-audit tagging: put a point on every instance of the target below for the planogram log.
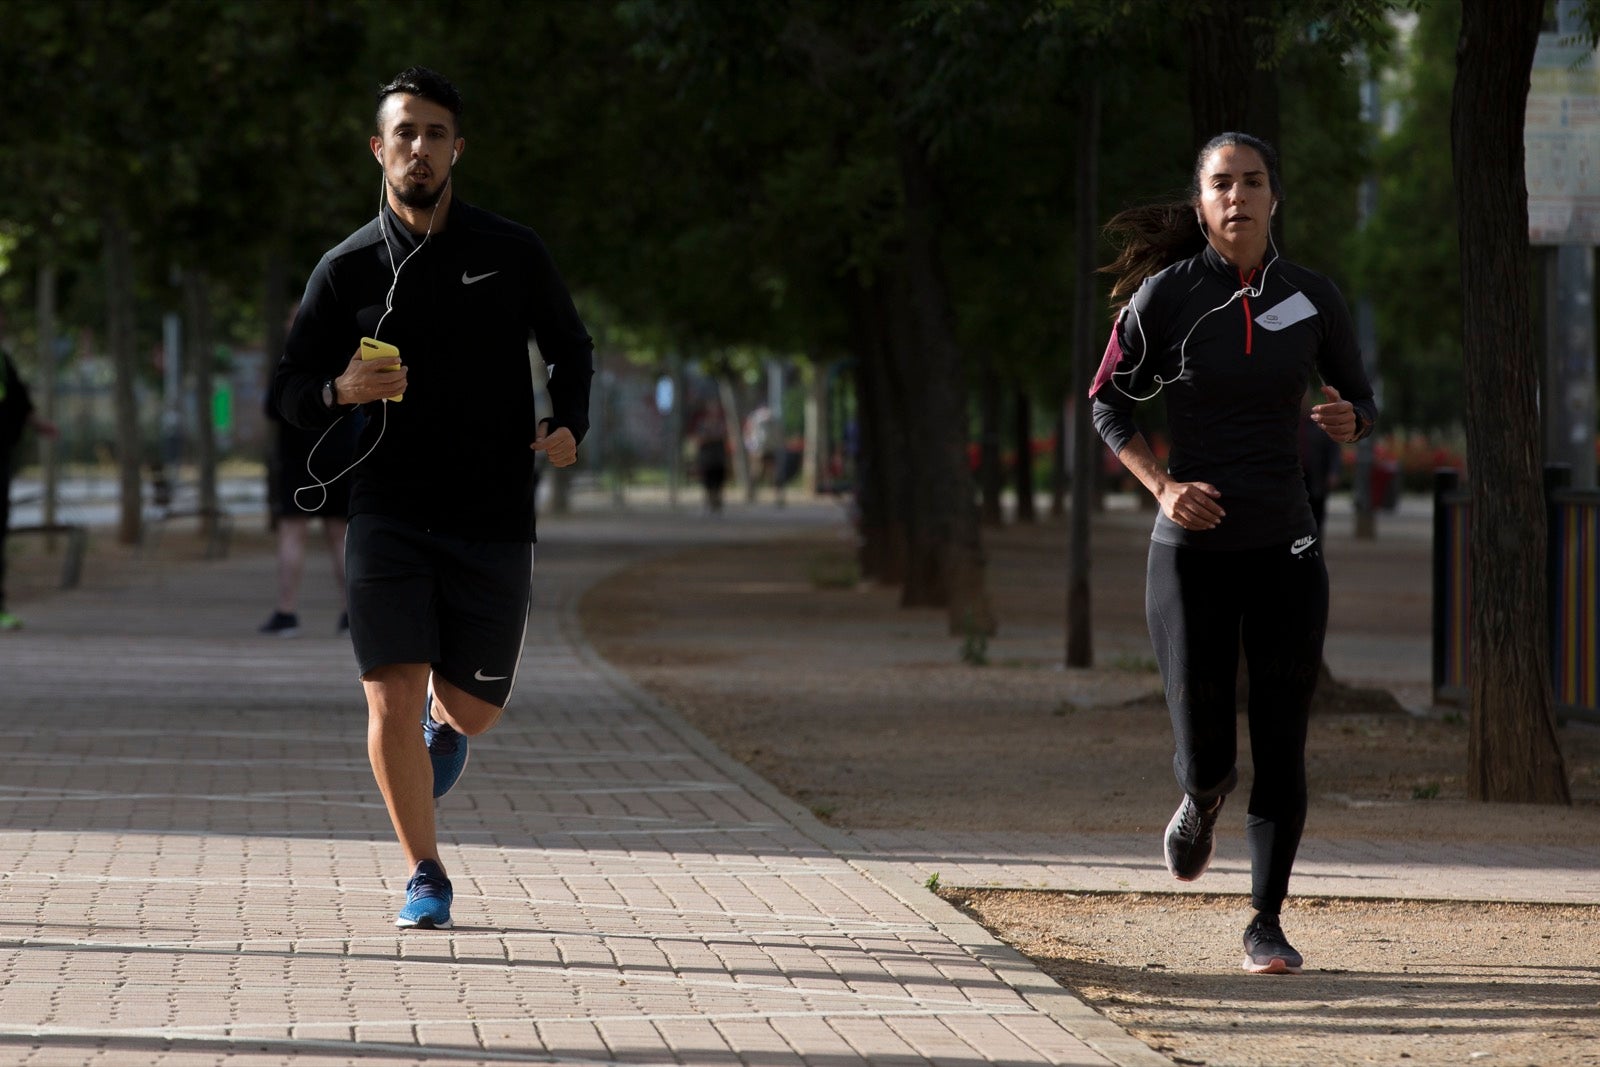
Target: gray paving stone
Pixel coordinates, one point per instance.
(195, 865)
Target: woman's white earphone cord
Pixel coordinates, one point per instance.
(1250, 291)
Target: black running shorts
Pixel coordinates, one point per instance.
(422, 597)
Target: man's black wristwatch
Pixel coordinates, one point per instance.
(330, 395)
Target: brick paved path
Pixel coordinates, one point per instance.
(196, 865)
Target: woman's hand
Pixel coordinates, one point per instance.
(561, 447)
(1337, 418)
(1192, 505)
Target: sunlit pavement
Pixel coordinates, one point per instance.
(197, 866)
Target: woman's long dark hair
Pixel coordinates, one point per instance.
(1152, 237)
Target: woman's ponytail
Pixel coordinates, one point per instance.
(1150, 238)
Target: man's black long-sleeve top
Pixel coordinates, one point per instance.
(453, 456)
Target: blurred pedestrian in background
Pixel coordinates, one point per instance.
(711, 455)
(303, 483)
(758, 446)
(16, 415)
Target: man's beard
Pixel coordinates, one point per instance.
(418, 196)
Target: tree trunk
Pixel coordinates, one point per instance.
(45, 310)
(991, 477)
(275, 324)
(1228, 89)
(1080, 642)
(1228, 42)
(677, 425)
(909, 462)
(125, 363)
(816, 431)
(777, 444)
(1512, 753)
(1058, 462)
(733, 421)
(198, 356)
(946, 552)
(1022, 440)
(752, 470)
(274, 309)
(880, 478)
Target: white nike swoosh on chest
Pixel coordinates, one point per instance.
(468, 279)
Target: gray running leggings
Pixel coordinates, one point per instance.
(1201, 606)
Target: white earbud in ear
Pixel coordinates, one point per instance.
(1274, 210)
(453, 156)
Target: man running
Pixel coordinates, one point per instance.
(439, 548)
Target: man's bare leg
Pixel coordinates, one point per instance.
(462, 711)
(395, 695)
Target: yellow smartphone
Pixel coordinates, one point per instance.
(375, 349)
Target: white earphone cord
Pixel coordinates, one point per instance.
(388, 306)
(318, 483)
(1254, 291)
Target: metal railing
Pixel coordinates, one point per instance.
(1572, 567)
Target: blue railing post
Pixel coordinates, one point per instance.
(1557, 476)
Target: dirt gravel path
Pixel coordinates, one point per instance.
(869, 715)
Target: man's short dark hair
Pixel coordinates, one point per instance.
(428, 84)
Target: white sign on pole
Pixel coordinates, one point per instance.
(1562, 143)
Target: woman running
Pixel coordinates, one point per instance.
(1229, 332)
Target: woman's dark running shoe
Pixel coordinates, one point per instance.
(1191, 838)
(1267, 951)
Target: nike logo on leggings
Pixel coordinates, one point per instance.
(480, 676)
(1301, 545)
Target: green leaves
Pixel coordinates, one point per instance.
(722, 174)
(1408, 257)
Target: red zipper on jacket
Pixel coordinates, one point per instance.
(1249, 334)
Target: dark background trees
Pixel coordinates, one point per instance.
(890, 187)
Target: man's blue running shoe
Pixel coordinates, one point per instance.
(447, 748)
(428, 897)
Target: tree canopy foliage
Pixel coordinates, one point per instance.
(886, 184)
(718, 173)
(889, 187)
(1410, 264)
